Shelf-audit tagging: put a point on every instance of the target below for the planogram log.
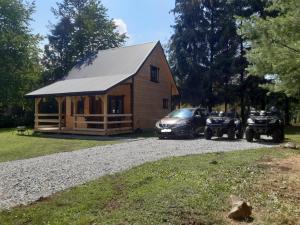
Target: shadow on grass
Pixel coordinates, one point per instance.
(76, 137)
(31, 134)
(290, 130)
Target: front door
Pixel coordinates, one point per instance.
(116, 105)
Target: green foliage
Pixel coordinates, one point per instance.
(207, 52)
(82, 30)
(19, 57)
(275, 42)
(202, 49)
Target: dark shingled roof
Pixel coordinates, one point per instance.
(109, 68)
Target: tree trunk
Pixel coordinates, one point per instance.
(242, 97)
(210, 91)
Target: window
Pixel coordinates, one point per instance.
(154, 71)
(116, 104)
(166, 103)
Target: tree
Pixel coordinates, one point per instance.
(202, 49)
(275, 42)
(244, 9)
(19, 57)
(82, 30)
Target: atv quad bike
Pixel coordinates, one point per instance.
(221, 123)
(265, 123)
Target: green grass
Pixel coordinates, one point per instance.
(293, 133)
(14, 147)
(184, 190)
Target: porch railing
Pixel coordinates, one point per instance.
(48, 120)
(103, 123)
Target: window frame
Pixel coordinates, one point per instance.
(155, 78)
(120, 98)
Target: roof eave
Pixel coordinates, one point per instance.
(67, 94)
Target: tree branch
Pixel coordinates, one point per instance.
(286, 46)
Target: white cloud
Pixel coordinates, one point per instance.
(121, 26)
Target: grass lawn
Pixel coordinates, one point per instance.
(183, 190)
(13, 146)
(293, 133)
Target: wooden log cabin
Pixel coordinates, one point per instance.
(119, 91)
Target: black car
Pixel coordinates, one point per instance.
(186, 122)
(265, 123)
(221, 123)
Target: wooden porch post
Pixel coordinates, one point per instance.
(74, 99)
(59, 101)
(105, 111)
(36, 112)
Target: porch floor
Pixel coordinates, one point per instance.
(64, 130)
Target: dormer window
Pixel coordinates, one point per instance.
(154, 72)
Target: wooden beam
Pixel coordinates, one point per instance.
(36, 111)
(59, 102)
(105, 111)
(48, 121)
(132, 101)
(47, 115)
(74, 100)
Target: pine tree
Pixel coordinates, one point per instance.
(202, 49)
(276, 47)
(244, 9)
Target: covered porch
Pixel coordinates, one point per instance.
(103, 114)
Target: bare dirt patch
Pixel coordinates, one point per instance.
(284, 177)
(276, 194)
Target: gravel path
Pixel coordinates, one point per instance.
(25, 181)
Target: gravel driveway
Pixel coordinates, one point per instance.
(25, 181)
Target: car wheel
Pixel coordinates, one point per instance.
(160, 137)
(277, 136)
(231, 133)
(249, 134)
(240, 134)
(197, 132)
(207, 133)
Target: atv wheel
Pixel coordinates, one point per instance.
(282, 136)
(208, 133)
(240, 134)
(249, 134)
(231, 133)
(277, 136)
(219, 133)
(257, 136)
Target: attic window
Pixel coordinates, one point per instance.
(154, 72)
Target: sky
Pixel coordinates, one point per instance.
(142, 20)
